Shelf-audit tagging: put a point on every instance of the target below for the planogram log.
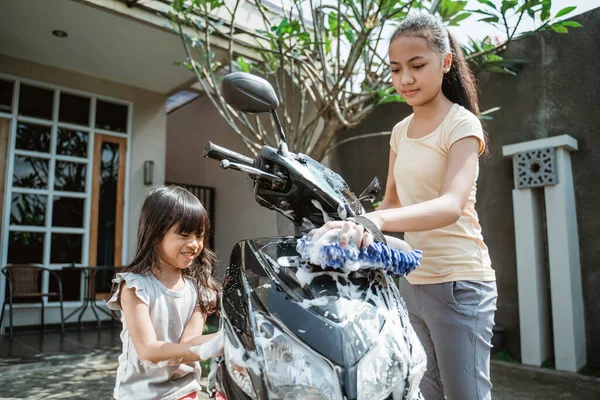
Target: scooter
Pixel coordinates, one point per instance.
(295, 330)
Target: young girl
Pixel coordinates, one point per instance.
(430, 195)
(164, 297)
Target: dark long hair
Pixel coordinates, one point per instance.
(459, 84)
(164, 207)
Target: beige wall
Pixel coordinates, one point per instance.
(238, 216)
(149, 123)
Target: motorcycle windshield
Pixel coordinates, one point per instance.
(315, 193)
(332, 184)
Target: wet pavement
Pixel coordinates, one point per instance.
(83, 365)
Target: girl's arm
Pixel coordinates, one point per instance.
(445, 209)
(147, 346)
(390, 197)
(192, 334)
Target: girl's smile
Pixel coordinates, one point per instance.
(180, 249)
(190, 256)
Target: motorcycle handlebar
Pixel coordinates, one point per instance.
(219, 153)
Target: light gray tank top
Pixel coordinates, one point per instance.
(170, 311)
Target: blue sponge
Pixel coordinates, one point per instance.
(376, 256)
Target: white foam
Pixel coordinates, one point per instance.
(305, 277)
(320, 207)
(318, 302)
(342, 212)
(210, 349)
(308, 224)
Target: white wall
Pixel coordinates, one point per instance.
(238, 216)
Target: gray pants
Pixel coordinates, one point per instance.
(454, 322)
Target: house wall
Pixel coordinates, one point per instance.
(147, 141)
(555, 94)
(238, 216)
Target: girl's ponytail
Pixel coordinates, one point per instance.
(459, 84)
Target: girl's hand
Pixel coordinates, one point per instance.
(348, 232)
(212, 348)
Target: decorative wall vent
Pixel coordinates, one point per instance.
(551, 312)
(535, 168)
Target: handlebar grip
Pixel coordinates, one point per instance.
(219, 153)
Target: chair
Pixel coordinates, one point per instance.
(23, 281)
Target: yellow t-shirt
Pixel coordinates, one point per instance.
(456, 252)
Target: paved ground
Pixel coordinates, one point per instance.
(81, 366)
(93, 376)
(71, 377)
(515, 381)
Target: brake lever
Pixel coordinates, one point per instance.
(226, 164)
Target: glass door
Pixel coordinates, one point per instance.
(108, 195)
(62, 168)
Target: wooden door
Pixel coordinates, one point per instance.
(4, 133)
(108, 203)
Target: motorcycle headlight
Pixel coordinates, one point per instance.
(292, 370)
(384, 368)
(238, 367)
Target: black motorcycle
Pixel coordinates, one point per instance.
(299, 331)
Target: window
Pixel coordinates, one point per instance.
(50, 204)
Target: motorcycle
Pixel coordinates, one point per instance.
(293, 329)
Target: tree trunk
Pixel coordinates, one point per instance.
(324, 140)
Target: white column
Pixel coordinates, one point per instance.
(532, 279)
(563, 255)
(565, 269)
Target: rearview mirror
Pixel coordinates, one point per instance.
(249, 93)
(371, 192)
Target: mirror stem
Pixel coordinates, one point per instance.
(283, 145)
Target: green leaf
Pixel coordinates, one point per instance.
(367, 89)
(482, 12)
(508, 4)
(571, 24)
(242, 64)
(454, 21)
(488, 3)
(545, 15)
(564, 11)
(546, 6)
(348, 32)
(178, 5)
(333, 22)
(392, 98)
(490, 20)
(559, 28)
(304, 37)
(501, 70)
(449, 8)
